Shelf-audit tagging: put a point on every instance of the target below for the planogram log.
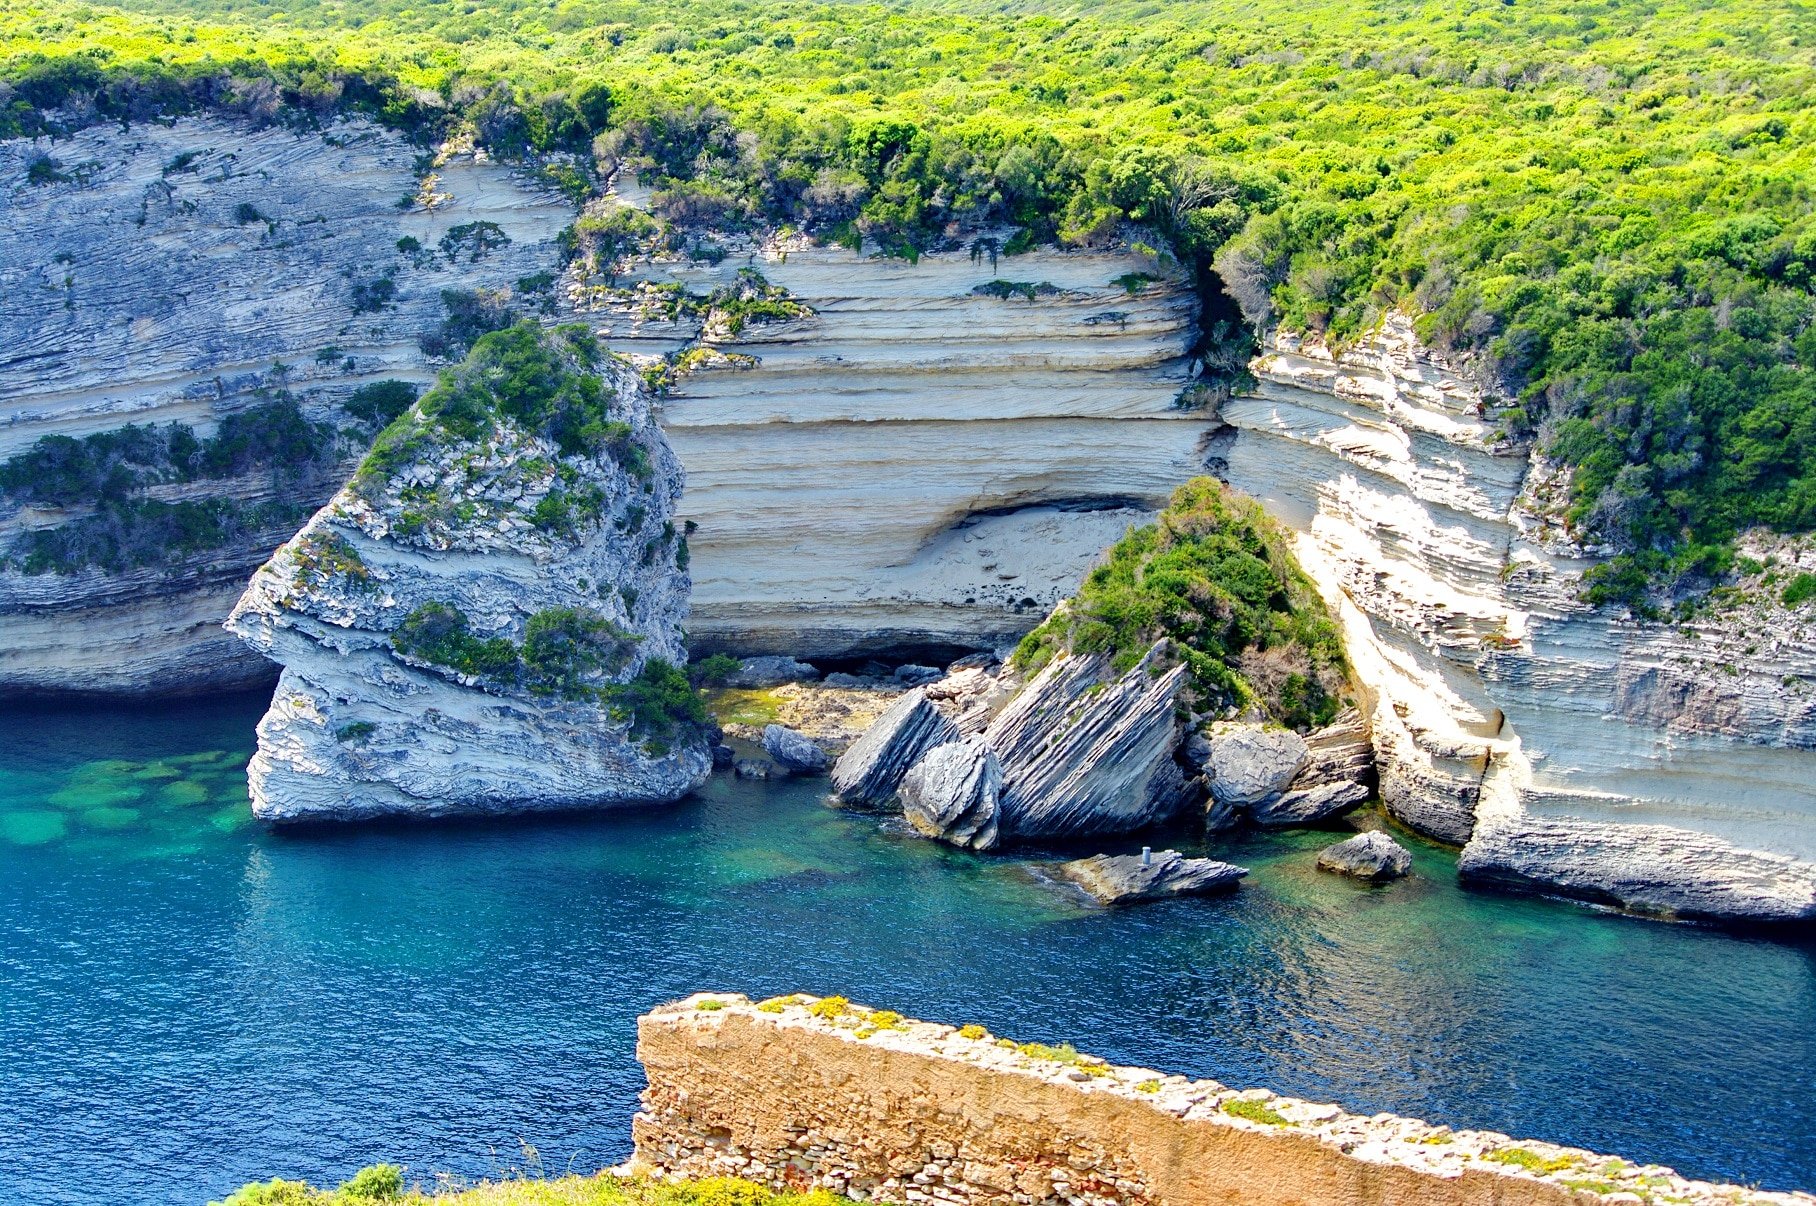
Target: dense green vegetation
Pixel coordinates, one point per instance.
(568, 652)
(108, 474)
(1605, 203)
(540, 380)
(1215, 575)
(386, 1183)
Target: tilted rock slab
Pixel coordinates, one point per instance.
(794, 751)
(1084, 753)
(1164, 874)
(358, 730)
(872, 769)
(1652, 869)
(816, 1093)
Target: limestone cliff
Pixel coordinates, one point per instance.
(933, 454)
(191, 272)
(1496, 693)
(488, 618)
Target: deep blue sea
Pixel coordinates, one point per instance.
(189, 1002)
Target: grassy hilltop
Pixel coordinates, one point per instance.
(1606, 204)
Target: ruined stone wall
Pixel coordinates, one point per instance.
(804, 1092)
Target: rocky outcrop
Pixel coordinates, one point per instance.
(1371, 856)
(954, 793)
(188, 272)
(770, 671)
(1653, 869)
(1493, 691)
(1250, 765)
(445, 649)
(794, 752)
(1157, 875)
(872, 769)
(810, 1093)
(1086, 752)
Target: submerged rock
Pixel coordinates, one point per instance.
(794, 752)
(1127, 878)
(488, 618)
(758, 672)
(1083, 753)
(871, 770)
(1372, 856)
(1249, 765)
(1652, 869)
(752, 768)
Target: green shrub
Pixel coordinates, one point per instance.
(713, 670)
(374, 1183)
(1213, 575)
(1255, 1111)
(1801, 589)
(379, 403)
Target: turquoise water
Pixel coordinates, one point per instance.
(188, 1002)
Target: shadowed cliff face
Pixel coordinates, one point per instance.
(191, 272)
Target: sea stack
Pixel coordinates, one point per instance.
(487, 618)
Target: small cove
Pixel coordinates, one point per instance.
(188, 1001)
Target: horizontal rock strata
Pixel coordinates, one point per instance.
(368, 720)
(187, 272)
(817, 1093)
(916, 461)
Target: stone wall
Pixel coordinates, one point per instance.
(804, 1092)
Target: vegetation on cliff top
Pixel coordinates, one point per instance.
(386, 1183)
(1608, 205)
(1215, 576)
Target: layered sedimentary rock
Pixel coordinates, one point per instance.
(925, 458)
(818, 1093)
(445, 649)
(1156, 875)
(185, 272)
(1495, 692)
(1655, 869)
(873, 768)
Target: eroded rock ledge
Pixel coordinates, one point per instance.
(802, 1092)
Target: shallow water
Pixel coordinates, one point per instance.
(188, 1002)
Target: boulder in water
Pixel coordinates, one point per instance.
(872, 769)
(794, 752)
(1160, 875)
(1371, 856)
(1309, 805)
(1250, 765)
(954, 794)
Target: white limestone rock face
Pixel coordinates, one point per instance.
(1652, 869)
(361, 726)
(1493, 692)
(916, 463)
(145, 290)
